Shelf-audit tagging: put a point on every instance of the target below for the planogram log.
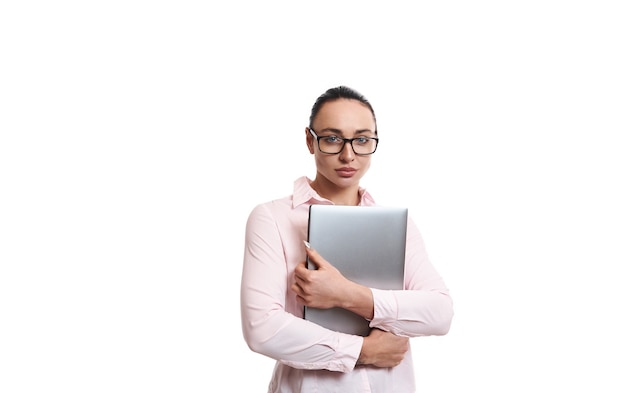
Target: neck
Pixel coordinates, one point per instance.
(339, 196)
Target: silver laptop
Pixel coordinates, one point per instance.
(367, 244)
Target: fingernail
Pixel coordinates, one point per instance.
(306, 244)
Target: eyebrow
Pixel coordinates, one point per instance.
(337, 131)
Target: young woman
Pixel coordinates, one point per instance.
(276, 284)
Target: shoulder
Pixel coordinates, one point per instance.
(273, 207)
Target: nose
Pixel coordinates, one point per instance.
(347, 153)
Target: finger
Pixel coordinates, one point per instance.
(316, 258)
(299, 280)
(310, 251)
(297, 289)
(301, 271)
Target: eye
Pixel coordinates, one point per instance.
(362, 140)
(332, 139)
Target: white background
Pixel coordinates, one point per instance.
(136, 136)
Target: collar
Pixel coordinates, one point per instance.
(303, 193)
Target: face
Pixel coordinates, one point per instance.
(344, 118)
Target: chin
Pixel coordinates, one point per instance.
(347, 181)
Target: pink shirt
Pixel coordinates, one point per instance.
(310, 358)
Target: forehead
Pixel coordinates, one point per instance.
(345, 114)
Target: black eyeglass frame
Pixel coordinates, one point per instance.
(345, 140)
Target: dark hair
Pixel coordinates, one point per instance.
(336, 93)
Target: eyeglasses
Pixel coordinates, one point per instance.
(332, 144)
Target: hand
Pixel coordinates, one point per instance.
(325, 287)
(383, 349)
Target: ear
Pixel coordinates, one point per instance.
(309, 140)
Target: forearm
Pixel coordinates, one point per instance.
(413, 313)
(300, 343)
(359, 300)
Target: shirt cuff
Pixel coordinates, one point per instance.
(385, 307)
(347, 349)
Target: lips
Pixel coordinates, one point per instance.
(346, 172)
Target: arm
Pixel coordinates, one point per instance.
(268, 308)
(425, 306)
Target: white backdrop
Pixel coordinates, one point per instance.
(136, 137)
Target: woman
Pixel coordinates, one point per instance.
(276, 283)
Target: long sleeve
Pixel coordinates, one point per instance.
(425, 306)
(271, 318)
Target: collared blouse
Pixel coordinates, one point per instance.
(311, 358)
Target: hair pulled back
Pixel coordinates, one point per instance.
(337, 93)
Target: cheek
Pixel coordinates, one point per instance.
(322, 162)
(319, 161)
(365, 165)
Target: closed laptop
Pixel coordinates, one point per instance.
(367, 244)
